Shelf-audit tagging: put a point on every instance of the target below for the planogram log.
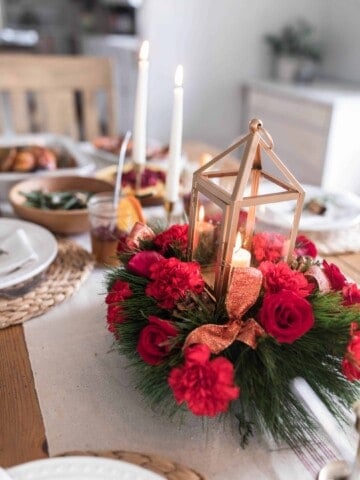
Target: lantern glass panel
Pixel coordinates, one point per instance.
(266, 209)
(224, 172)
(207, 236)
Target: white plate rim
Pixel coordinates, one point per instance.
(89, 149)
(102, 468)
(314, 225)
(42, 241)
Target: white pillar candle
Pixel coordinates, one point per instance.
(241, 257)
(139, 131)
(174, 165)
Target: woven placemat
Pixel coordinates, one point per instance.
(163, 466)
(60, 280)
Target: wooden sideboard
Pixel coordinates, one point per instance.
(315, 127)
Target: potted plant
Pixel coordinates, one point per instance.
(296, 55)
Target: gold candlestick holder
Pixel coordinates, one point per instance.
(139, 170)
(169, 208)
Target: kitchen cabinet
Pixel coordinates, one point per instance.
(315, 128)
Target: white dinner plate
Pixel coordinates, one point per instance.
(42, 242)
(342, 211)
(80, 468)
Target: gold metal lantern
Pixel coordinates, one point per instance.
(227, 200)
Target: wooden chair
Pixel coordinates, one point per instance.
(71, 95)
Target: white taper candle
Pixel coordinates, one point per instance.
(140, 113)
(174, 166)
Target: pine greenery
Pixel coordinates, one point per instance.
(264, 375)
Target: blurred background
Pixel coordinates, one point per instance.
(223, 47)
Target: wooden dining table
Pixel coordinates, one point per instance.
(22, 432)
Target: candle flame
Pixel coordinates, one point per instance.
(144, 50)
(201, 214)
(179, 76)
(238, 242)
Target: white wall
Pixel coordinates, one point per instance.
(341, 38)
(220, 43)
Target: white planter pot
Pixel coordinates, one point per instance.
(291, 69)
(286, 68)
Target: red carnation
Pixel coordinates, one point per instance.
(336, 278)
(141, 262)
(172, 279)
(305, 247)
(114, 317)
(155, 340)
(280, 276)
(286, 316)
(176, 236)
(207, 386)
(268, 246)
(351, 361)
(119, 292)
(351, 294)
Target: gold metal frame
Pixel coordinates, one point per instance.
(249, 171)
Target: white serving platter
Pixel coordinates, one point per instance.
(84, 163)
(342, 211)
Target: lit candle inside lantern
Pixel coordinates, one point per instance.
(139, 131)
(241, 257)
(204, 232)
(174, 166)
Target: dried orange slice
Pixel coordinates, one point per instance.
(129, 212)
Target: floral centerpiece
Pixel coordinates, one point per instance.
(277, 321)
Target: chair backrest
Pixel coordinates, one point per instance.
(71, 95)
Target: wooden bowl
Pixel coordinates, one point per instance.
(58, 221)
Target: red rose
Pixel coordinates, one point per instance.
(280, 276)
(286, 316)
(172, 279)
(268, 246)
(155, 340)
(305, 247)
(176, 236)
(119, 292)
(336, 278)
(141, 262)
(351, 361)
(351, 294)
(207, 386)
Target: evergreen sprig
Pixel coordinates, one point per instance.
(264, 375)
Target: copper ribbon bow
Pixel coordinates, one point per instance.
(243, 292)
(318, 275)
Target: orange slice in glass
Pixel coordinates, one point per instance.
(129, 212)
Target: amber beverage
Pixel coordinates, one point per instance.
(103, 229)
